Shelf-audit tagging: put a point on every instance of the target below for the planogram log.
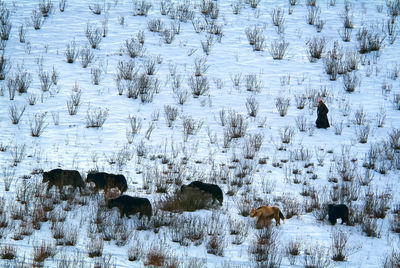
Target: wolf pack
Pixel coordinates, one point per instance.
(131, 205)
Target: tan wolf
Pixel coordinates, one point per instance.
(265, 214)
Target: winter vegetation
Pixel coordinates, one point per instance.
(170, 92)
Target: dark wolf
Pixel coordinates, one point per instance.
(338, 211)
(59, 178)
(209, 188)
(106, 181)
(129, 205)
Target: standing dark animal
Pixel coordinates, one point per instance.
(322, 112)
(106, 181)
(129, 205)
(338, 211)
(209, 188)
(59, 178)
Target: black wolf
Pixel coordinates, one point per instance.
(209, 188)
(129, 205)
(106, 181)
(338, 211)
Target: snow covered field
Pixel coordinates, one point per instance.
(179, 94)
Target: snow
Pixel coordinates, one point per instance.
(71, 145)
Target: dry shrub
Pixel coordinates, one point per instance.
(320, 212)
(17, 211)
(293, 249)
(95, 117)
(17, 235)
(194, 231)
(57, 215)
(306, 190)
(71, 236)
(216, 245)
(286, 134)
(111, 226)
(58, 232)
(282, 104)
(191, 199)
(356, 214)
(239, 230)
(2, 204)
(161, 183)
(394, 137)
(392, 261)
(23, 192)
(160, 257)
(394, 219)
(155, 258)
(161, 218)
(25, 228)
(316, 256)
(104, 262)
(123, 233)
(4, 221)
(339, 248)
(170, 203)
(316, 47)
(95, 247)
(291, 206)
(194, 262)
(278, 48)
(264, 248)
(69, 260)
(236, 125)
(8, 252)
(245, 205)
(43, 251)
(144, 224)
(395, 223)
(370, 227)
(38, 216)
(135, 251)
(377, 203)
(345, 168)
(172, 262)
(214, 224)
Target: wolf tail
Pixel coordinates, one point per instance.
(281, 215)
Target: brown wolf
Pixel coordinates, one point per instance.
(265, 214)
(60, 177)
